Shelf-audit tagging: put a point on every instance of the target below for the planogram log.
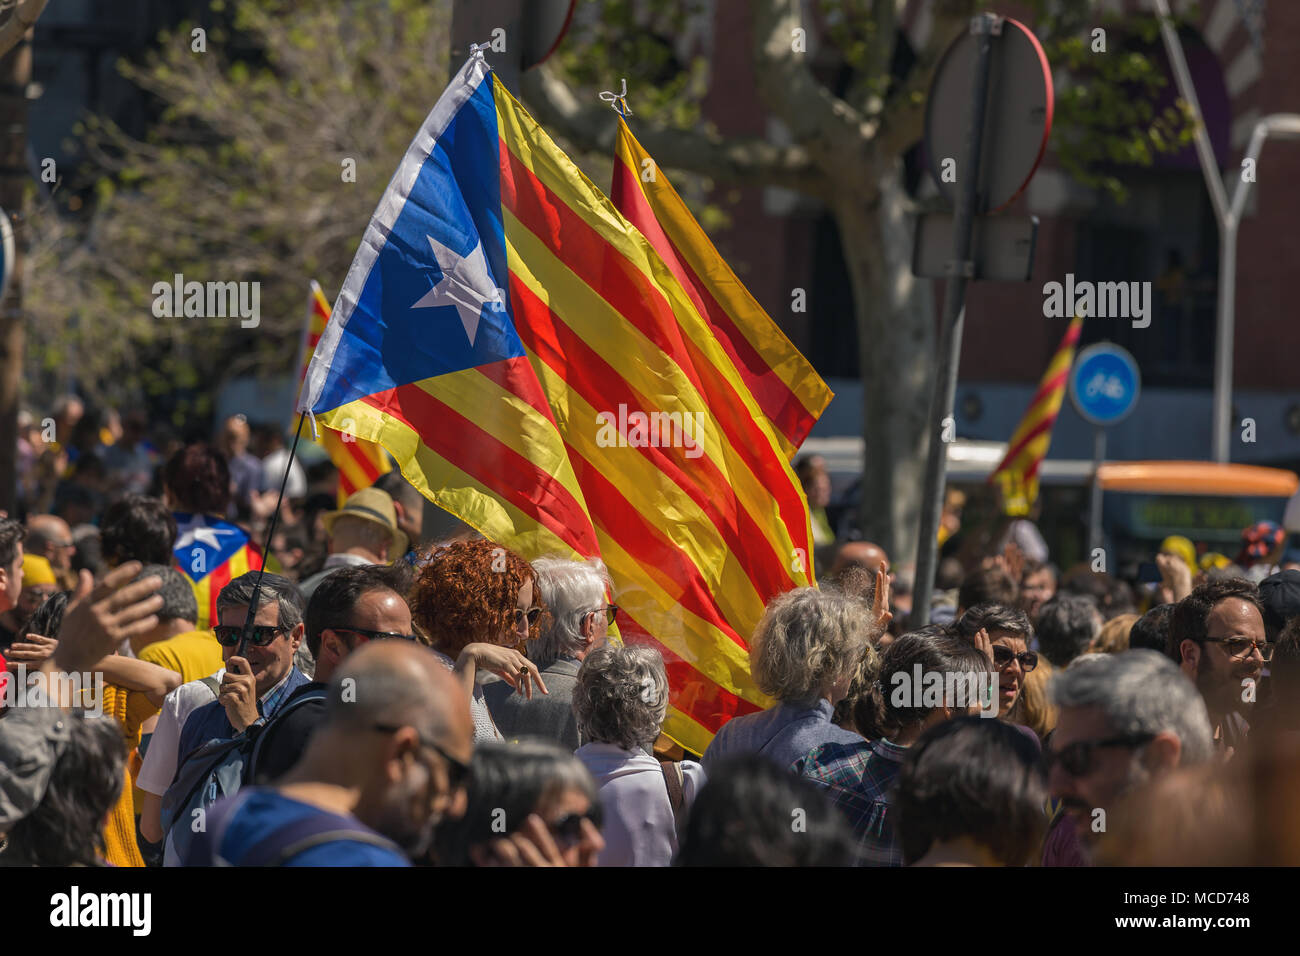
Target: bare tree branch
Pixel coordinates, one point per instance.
(739, 161)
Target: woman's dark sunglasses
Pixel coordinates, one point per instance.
(1003, 656)
(569, 828)
(533, 613)
(259, 635)
(1076, 758)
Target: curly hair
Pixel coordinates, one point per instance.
(806, 641)
(467, 591)
(621, 696)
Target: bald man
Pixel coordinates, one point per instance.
(49, 537)
(386, 766)
(864, 554)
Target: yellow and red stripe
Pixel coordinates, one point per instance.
(1018, 471)
(207, 588)
(790, 393)
(359, 462)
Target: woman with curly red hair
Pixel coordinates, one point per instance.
(477, 603)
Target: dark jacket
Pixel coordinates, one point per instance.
(546, 716)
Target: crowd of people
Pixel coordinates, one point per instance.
(371, 694)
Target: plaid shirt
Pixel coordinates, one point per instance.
(859, 779)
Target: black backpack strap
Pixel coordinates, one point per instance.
(309, 831)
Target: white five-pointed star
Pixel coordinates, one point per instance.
(465, 284)
(198, 530)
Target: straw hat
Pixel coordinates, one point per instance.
(376, 506)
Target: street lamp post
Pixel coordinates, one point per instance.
(1227, 213)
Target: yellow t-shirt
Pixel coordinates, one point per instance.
(130, 708)
(194, 655)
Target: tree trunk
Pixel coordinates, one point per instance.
(15, 71)
(896, 343)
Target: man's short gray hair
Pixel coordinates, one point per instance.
(806, 641)
(1140, 692)
(179, 603)
(570, 589)
(1067, 626)
(621, 697)
(275, 587)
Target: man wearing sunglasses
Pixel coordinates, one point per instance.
(578, 622)
(1124, 719)
(348, 610)
(388, 763)
(259, 681)
(1218, 638)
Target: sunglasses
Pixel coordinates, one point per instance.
(375, 635)
(1076, 759)
(1003, 656)
(259, 635)
(532, 614)
(1239, 648)
(569, 828)
(457, 771)
(611, 612)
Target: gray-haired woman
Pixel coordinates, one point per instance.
(804, 653)
(620, 702)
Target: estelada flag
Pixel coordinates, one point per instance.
(536, 369)
(1018, 471)
(359, 462)
(788, 390)
(211, 553)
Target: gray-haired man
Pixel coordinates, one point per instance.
(1124, 719)
(579, 619)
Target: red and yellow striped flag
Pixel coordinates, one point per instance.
(360, 462)
(1018, 472)
(537, 369)
(788, 390)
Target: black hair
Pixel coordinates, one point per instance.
(137, 528)
(508, 782)
(12, 534)
(48, 618)
(974, 778)
(198, 478)
(985, 586)
(1067, 625)
(753, 813)
(1191, 618)
(67, 827)
(337, 594)
(1151, 630)
(883, 710)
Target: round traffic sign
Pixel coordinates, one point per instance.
(1104, 384)
(1017, 120)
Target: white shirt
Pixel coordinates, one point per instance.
(161, 757)
(639, 828)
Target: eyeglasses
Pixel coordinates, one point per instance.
(1076, 758)
(260, 635)
(1239, 647)
(1003, 656)
(532, 614)
(457, 771)
(568, 828)
(611, 612)
(374, 635)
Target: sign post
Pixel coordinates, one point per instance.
(1104, 387)
(988, 116)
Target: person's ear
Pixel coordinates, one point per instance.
(1163, 753)
(329, 639)
(295, 636)
(588, 628)
(1191, 653)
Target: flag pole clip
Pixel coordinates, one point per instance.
(617, 101)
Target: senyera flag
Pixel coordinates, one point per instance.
(211, 552)
(359, 462)
(788, 390)
(1018, 472)
(536, 369)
